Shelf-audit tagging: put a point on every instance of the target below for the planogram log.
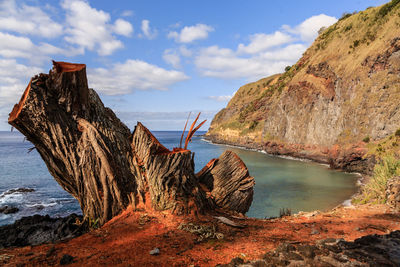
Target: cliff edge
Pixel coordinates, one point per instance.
(343, 93)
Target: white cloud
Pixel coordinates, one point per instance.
(221, 98)
(91, 29)
(225, 63)
(14, 78)
(286, 54)
(165, 120)
(191, 33)
(127, 13)
(12, 46)
(25, 19)
(124, 78)
(123, 27)
(171, 57)
(261, 42)
(185, 51)
(264, 55)
(148, 32)
(308, 29)
(228, 64)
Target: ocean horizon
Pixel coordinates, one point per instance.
(280, 182)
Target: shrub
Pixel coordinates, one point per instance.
(321, 30)
(387, 8)
(348, 27)
(327, 32)
(287, 68)
(397, 133)
(345, 15)
(94, 223)
(285, 212)
(375, 189)
(366, 139)
(356, 43)
(253, 125)
(370, 36)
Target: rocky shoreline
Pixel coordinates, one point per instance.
(38, 229)
(370, 250)
(348, 159)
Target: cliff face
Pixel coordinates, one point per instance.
(345, 88)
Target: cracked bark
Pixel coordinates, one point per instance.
(96, 158)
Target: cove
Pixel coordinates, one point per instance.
(280, 182)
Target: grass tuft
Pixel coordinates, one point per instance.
(375, 190)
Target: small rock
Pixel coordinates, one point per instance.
(19, 190)
(66, 259)
(8, 210)
(236, 261)
(292, 256)
(327, 241)
(155, 251)
(307, 251)
(314, 231)
(357, 229)
(39, 207)
(51, 251)
(285, 247)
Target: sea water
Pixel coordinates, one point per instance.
(280, 183)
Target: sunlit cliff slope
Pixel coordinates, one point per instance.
(343, 90)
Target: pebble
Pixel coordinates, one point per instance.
(314, 231)
(66, 259)
(8, 210)
(155, 251)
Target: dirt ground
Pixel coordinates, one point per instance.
(128, 239)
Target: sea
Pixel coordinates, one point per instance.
(281, 183)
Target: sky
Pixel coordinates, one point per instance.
(156, 61)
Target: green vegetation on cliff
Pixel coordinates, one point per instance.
(387, 153)
(375, 190)
(346, 87)
(344, 92)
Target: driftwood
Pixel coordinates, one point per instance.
(96, 158)
(229, 222)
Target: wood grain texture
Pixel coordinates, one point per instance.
(96, 158)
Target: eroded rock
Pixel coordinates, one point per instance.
(39, 229)
(371, 250)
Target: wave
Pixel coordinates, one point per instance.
(11, 198)
(42, 205)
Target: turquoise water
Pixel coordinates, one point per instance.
(280, 183)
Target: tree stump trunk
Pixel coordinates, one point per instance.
(228, 181)
(96, 158)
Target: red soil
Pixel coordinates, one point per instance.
(127, 239)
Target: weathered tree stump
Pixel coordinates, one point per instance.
(229, 182)
(96, 158)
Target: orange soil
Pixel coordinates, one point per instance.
(127, 239)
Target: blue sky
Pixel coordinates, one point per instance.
(154, 61)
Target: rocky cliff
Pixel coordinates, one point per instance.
(344, 90)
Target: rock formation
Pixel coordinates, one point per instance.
(344, 89)
(96, 158)
(369, 250)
